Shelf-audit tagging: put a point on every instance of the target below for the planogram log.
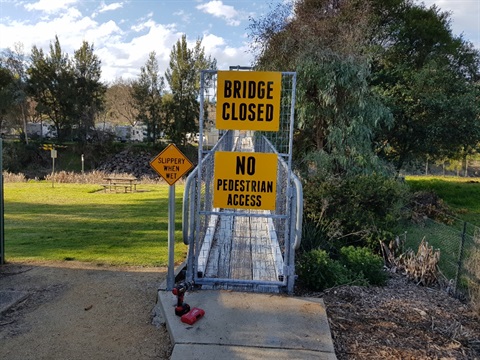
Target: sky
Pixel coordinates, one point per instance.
(125, 32)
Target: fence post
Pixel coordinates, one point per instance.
(460, 256)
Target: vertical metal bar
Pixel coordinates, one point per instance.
(460, 256)
(2, 223)
(171, 238)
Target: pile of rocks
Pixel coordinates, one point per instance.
(137, 164)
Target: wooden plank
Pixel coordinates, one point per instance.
(241, 259)
(207, 244)
(276, 250)
(263, 265)
(224, 238)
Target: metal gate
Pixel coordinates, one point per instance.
(251, 250)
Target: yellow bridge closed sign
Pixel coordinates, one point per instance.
(248, 100)
(244, 180)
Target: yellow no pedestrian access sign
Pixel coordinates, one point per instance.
(245, 180)
(171, 164)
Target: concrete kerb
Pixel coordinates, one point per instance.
(248, 326)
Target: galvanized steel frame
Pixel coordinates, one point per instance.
(200, 218)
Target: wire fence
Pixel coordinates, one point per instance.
(459, 245)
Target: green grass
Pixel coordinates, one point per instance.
(461, 194)
(77, 222)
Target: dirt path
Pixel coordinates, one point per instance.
(76, 311)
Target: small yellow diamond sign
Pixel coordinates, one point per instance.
(171, 164)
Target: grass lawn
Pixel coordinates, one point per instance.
(462, 195)
(78, 222)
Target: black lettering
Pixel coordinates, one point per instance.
(227, 89)
(243, 111)
(251, 109)
(269, 90)
(225, 108)
(251, 89)
(240, 169)
(229, 200)
(259, 200)
(234, 116)
(270, 186)
(260, 112)
(219, 184)
(269, 112)
(251, 165)
(237, 86)
(261, 89)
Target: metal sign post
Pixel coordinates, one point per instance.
(2, 222)
(171, 165)
(53, 154)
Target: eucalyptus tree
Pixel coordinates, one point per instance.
(429, 79)
(325, 41)
(147, 94)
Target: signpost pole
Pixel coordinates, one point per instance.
(171, 238)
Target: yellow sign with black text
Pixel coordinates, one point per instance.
(171, 164)
(245, 180)
(248, 100)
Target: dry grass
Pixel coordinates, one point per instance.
(91, 177)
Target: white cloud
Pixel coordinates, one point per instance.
(109, 7)
(216, 8)
(50, 6)
(185, 17)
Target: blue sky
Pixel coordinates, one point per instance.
(125, 32)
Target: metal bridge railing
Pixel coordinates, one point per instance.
(202, 224)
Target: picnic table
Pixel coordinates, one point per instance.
(113, 183)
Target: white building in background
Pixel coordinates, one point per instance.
(41, 130)
(138, 133)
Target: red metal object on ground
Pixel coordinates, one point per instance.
(192, 316)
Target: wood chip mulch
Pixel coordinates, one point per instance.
(401, 321)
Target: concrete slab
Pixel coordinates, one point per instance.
(202, 352)
(9, 298)
(249, 325)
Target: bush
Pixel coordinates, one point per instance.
(363, 261)
(356, 266)
(364, 208)
(316, 271)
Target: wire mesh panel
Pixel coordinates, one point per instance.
(242, 248)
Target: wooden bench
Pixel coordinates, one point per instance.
(114, 183)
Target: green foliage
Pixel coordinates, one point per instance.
(183, 76)
(363, 209)
(147, 96)
(427, 77)
(317, 271)
(363, 262)
(67, 92)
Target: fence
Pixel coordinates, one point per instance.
(459, 245)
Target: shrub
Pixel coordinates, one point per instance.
(362, 260)
(316, 271)
(356, 266)
(365, 208)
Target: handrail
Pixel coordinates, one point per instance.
(186, 213)
(299, 218)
